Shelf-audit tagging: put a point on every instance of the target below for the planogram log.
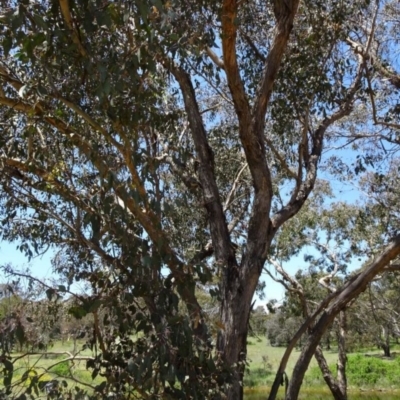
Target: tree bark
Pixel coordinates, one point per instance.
(235, 311)
(338, 387)
(285, 358)
(333, 385)
(386, 350)
(342, 357)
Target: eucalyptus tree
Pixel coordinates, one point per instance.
(156, 144)
(374, 317)
(364, 231)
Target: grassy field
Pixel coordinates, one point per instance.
(34, 366)
(263, 361)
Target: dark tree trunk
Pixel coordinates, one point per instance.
(384, 342)
(235, 312)
(333, 385)
(75, 349)
(328, 341)
(305, 357)
(232, 342)
(386, 350)
(338, 387)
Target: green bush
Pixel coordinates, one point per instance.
(363, 371)
(314, 376)
(61, 369)
(255, 377)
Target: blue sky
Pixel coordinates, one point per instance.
(40, 265)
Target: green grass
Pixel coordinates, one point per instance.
(363, 372)
(264, 360)
(52, 367)
(372, 372)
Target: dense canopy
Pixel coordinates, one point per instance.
(158, 148)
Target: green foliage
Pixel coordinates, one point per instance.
(256, 377)
(280, 328)
(365, 372)
(372, 319)
(258, 321)
(61, 369)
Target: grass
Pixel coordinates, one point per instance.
(52, 367)
(263, 362)
(364, 372)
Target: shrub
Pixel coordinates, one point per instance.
(364, 371)
(61, 369)
(255, 377)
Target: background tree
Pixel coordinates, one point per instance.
(258, 320)
(345, 228)
(280, 328)
(373, 316)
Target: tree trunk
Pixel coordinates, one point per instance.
(386, 344)
(235, 312)
(74, 350)
(386, 351)
(305, 357)
(338, 387)
(342, 357)
(328, 341)
(285, 358)
(333, 385)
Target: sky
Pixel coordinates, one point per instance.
(40, 265)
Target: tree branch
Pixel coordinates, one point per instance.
(304, 187)
(273, 61)
(146, 216)
(216, 60)
(229, 198)
(179, 169)
(257, 52)
(341, 299)
(392, 76)
(229, 34)
(66, 13)
(47, 177)
(218, 226)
